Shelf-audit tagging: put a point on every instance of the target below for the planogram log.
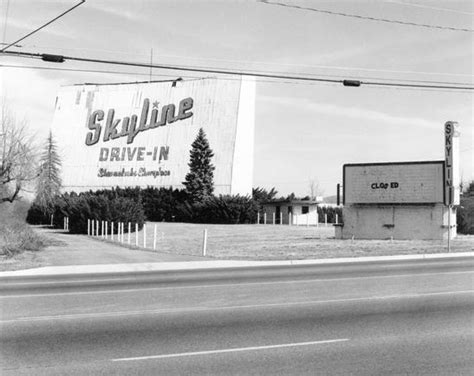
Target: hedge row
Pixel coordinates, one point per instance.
(81, 207)
(135, 204)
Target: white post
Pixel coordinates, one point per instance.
(449, 228)
(273, 218)
(106, 229)
(112, 231)
(136, 234)
(204, 242)
(52, 220)
(258, 218)
(102, 223)
(326, 219)
(67, 223)
(96, 227)
(129, 231)
(337, 219)
(154, 238)
(281, 218)
(264, 218)
(289, 219)
(122, 227)
(88, 227)
(144, 235)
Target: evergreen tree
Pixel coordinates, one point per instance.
(49, 178)
(199, 182)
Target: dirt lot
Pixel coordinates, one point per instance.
(260, 242)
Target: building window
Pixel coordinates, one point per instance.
(305, 210)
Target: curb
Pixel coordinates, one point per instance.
(215, 264)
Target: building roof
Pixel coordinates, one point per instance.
(291, 202)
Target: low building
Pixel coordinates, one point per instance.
(295, 212)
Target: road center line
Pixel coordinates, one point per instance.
(223, 351)
(225, 308)
(315, 280)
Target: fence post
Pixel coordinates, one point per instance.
(264, 218)
(204, 242)
(52, 220)
(273, 218)
(154, 238)
(281, 218)
(123, 232)
(112, 231)
(258, 218)
(88, 227)
(136, 234)
(129, 231)
(144, 235)
(96, 227)
(337, 219)
(106, 229)
(289, 219)
(67, 223)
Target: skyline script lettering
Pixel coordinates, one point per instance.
(131, 126)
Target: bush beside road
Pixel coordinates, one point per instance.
(15, 235)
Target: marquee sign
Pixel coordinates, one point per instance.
(140, 134)
(451, 147)
(394, 183)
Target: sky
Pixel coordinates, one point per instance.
(304, 131)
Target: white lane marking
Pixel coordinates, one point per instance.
(223, 351)
(224, 308)
(231, 285)
(134, 278)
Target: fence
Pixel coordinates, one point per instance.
(115, 232)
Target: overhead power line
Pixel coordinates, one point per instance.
(61, 58)
(194, 76)
(268, 63)
(369, 18)
(430, 7)
(43, 26)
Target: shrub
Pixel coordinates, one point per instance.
(36, 215)
(465, 215)
(15, 235)
(224, 209)
(331, 212)
(103, 207)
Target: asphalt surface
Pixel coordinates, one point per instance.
(400, 317)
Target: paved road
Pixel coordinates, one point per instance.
(411, 317)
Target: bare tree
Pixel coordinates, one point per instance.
(315, 189)
(17, 164)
